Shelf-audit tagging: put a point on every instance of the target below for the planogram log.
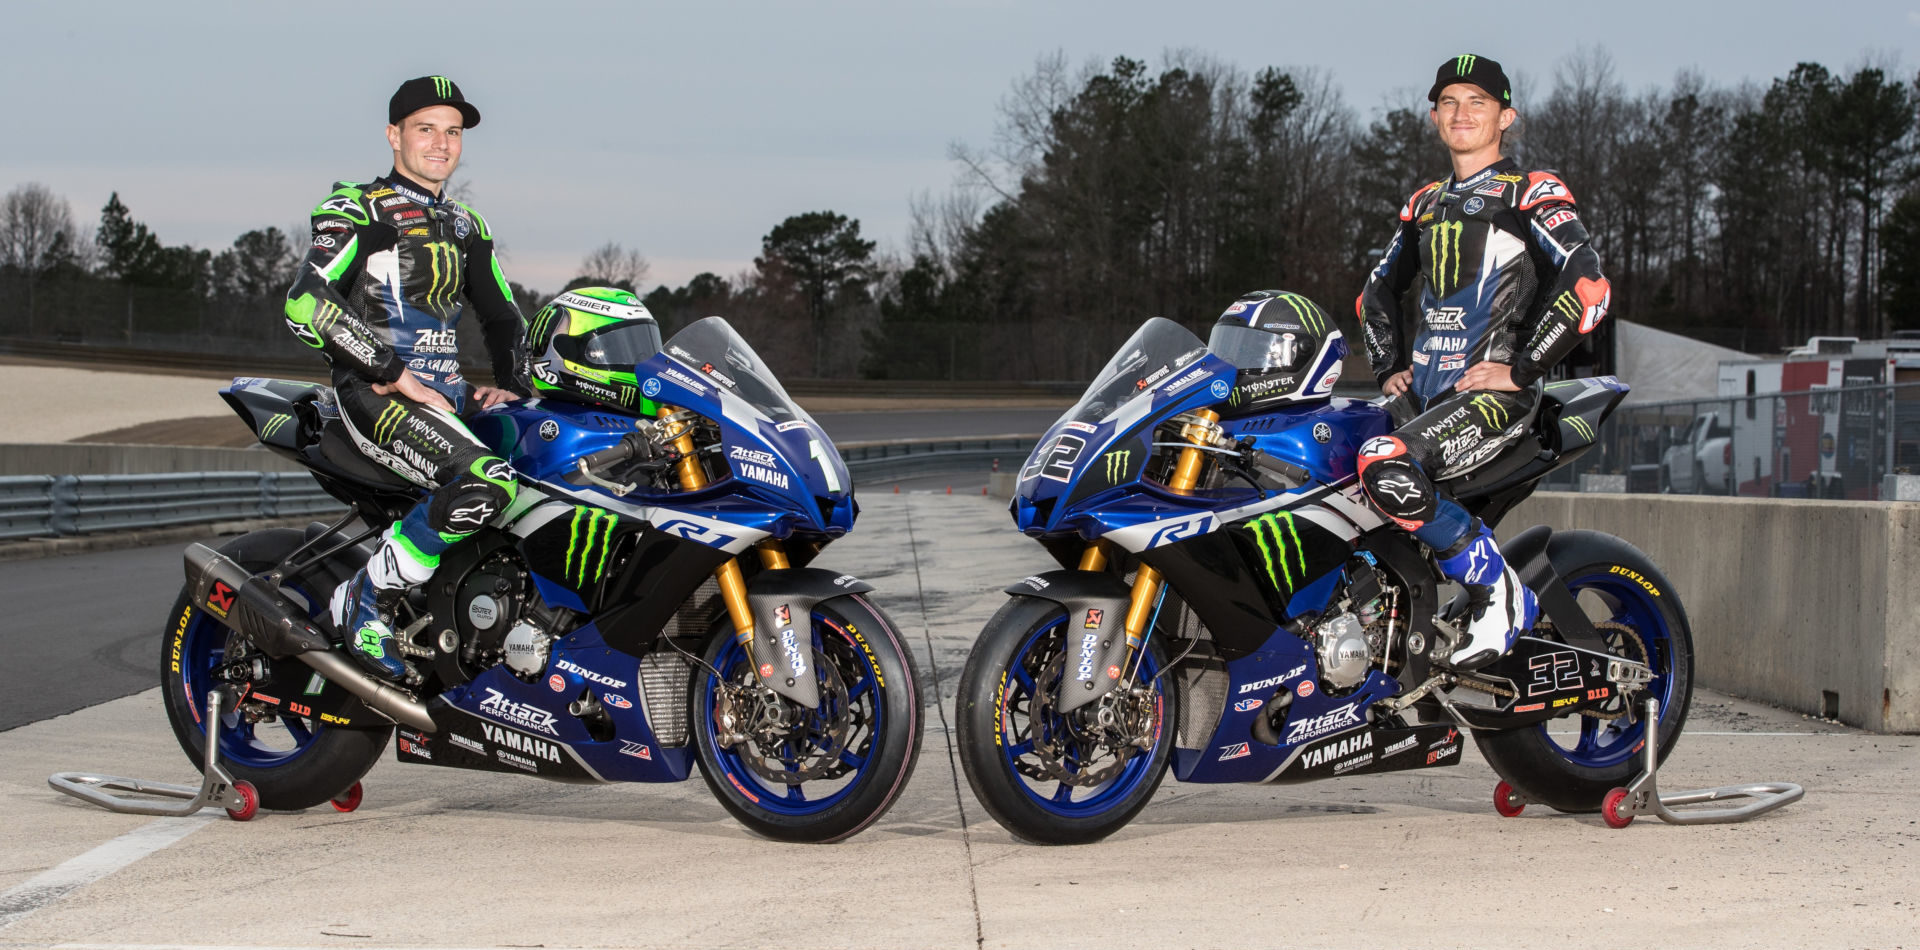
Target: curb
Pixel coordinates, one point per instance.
(33, 548)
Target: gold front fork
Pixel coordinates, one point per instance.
(733, 585)
(1146, 582)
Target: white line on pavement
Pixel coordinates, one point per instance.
(56, 882)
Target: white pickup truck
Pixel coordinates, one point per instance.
(1700, 461)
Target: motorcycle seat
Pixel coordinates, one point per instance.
(338, 449)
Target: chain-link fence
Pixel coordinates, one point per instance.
(1819, 443)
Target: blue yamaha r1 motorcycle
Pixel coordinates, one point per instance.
(1230, 606)
(645, 603)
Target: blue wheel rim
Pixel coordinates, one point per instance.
(1602, 743)
(862, 742)
(1061, 800)
(258, 745)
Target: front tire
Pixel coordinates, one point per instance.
(863, 770)
(291, 762)
(1005, 691)
(1618, 584)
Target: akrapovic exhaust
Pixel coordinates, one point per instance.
(279, 627)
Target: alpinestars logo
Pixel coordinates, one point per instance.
(519, 743)
(1398, 487)
(1336, 750)
(1117, 465)
(589, 541)
(520, 714)
(1280, 549)
(1443, 249)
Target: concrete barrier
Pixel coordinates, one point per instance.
(1811, 605)
(102, 458)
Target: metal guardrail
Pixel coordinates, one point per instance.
(33, 506)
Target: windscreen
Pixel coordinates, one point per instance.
(712, 347)
(1155, 352)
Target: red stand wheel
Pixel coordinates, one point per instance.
(1506, 801)
(349, 799)
(1610, 809)
(249, 802)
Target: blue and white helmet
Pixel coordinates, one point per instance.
(1285, 346)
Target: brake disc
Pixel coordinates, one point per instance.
(782, 732)
(1079, 734)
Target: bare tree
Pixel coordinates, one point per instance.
(36, 229)
(612, 265)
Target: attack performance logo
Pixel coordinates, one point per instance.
(588, 544)
(1280, 549)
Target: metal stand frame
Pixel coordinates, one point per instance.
(217, 785)
(1642, 795)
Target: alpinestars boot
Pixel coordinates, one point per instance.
(1499, 607)
(363, 608)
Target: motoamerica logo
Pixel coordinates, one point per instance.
(519, 743)
(520, 714)
(1320, 725)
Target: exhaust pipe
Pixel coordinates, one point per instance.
(279, 627)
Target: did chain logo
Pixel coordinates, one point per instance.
(1280, 548)
(591, 533)
(1117, 465)
(1443, 248)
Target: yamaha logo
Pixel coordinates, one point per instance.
(1322, 433)
(550, 430)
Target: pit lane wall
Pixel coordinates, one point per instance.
(1810, 605)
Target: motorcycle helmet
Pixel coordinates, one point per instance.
(585, 344)
(1286, 349)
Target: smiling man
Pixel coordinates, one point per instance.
(1508, 286)
(380, 294)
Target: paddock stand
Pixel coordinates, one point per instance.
(218, 787)
(1642, 796)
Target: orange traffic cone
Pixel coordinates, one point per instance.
(896, 489)
(949, 489)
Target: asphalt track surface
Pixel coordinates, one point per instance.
(443, 858)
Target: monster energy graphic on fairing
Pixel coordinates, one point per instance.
(589, 543)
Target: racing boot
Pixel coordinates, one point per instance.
(1499, 607)
(363, 608)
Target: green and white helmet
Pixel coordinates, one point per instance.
(585, 345)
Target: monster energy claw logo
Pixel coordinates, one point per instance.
(442, 86)
(1443, 246)
(1307, 312)
(273, 425)
(592, 533)
(1567, 305)
(388, 424)
(444, 259)
(1462, 65)
(1280, 548)
(1490, 409)
(1117, 465)
(1580, 426)
(626, 394)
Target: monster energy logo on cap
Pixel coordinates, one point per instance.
(1280, 548)
(591, 535)
(1462, 65)
(1443, 248)
(1117, 465)
(443, 87)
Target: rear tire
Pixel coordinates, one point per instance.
(293, 763)
(1608, 753)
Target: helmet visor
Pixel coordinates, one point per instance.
(618, 347)
(1250, 349)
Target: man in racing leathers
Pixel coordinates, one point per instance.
(1508, 286)
(379, 293)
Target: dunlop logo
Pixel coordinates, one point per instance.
(1580, 425)
(1117, 465)
(444, 259)
(1281, 549)
(1490, 409)
(442, 86)
(592, 533)
(1462, 65)
(1443, 248)
(275, 424)
(385, 427)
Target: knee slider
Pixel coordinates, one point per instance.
(1400, 489)
(467, 503)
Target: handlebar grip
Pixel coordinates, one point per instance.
(1280, 467)
(618, 452)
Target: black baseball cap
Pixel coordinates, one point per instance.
(1474, 70)
(416, 94)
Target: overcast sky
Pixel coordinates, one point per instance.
(688, 130)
